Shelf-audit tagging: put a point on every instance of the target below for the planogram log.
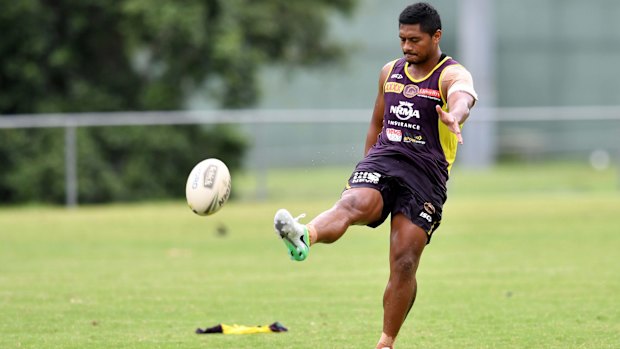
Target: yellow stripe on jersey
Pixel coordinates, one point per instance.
(427, 75)
(389, 73)
(449, 142)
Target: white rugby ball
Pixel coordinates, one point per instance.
(208, 187)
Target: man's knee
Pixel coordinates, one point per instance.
(404, 265)
(406, 246)
(364, 205)
(352, 204)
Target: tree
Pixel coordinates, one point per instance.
(97, 55)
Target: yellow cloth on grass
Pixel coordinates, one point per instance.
(240, 329)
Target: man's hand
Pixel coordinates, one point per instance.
(450, 121)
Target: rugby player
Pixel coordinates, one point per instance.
(423, 100)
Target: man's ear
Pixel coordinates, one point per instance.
(437, 36)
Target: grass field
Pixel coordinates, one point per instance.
(525, 258)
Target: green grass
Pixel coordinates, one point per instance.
(525, 258)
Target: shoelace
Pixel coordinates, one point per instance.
(296, 219)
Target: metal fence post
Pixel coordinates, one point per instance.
(71, 181)
(262, 185)
(477, 51)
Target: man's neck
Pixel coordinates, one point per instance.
(419, 71)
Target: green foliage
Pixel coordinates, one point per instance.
(78, 56)
(159, 173)
(72, 56)
(31, 165)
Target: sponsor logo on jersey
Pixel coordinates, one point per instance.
(411, 90)
(394, 135)
(429, 93)
(404, 110)
(393, 87)
(417, 139)
(366, 177)
(404, 124)
(396, 76)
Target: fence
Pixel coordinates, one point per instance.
(327, 137)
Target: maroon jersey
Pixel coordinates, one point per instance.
(411, 127)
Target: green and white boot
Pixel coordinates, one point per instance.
(294, 234)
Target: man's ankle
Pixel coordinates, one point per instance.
(385, 342)
(311, 234)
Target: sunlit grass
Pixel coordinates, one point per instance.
(517, 263)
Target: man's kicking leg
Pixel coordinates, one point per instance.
(357, 206)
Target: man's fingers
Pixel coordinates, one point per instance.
(451, 123)
(457, 131)
(438, 109)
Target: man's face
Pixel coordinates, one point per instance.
(417, 45)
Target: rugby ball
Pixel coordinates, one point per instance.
(208, 187)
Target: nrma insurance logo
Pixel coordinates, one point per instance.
(404, 111)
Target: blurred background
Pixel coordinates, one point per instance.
(116, 101)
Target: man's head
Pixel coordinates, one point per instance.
(420, 32)
(423, 14)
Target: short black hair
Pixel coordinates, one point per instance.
(423, 14)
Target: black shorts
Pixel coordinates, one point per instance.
(403, 189)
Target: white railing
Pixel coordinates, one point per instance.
(245, 117)
(242, 116)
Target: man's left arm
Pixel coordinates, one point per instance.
(457, 84)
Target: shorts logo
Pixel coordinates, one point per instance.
(393, 87)
(428, 207)
(366, 177)
(394, 135)
(426, 216)
(411, 90)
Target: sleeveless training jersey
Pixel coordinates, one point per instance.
(411, 126)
